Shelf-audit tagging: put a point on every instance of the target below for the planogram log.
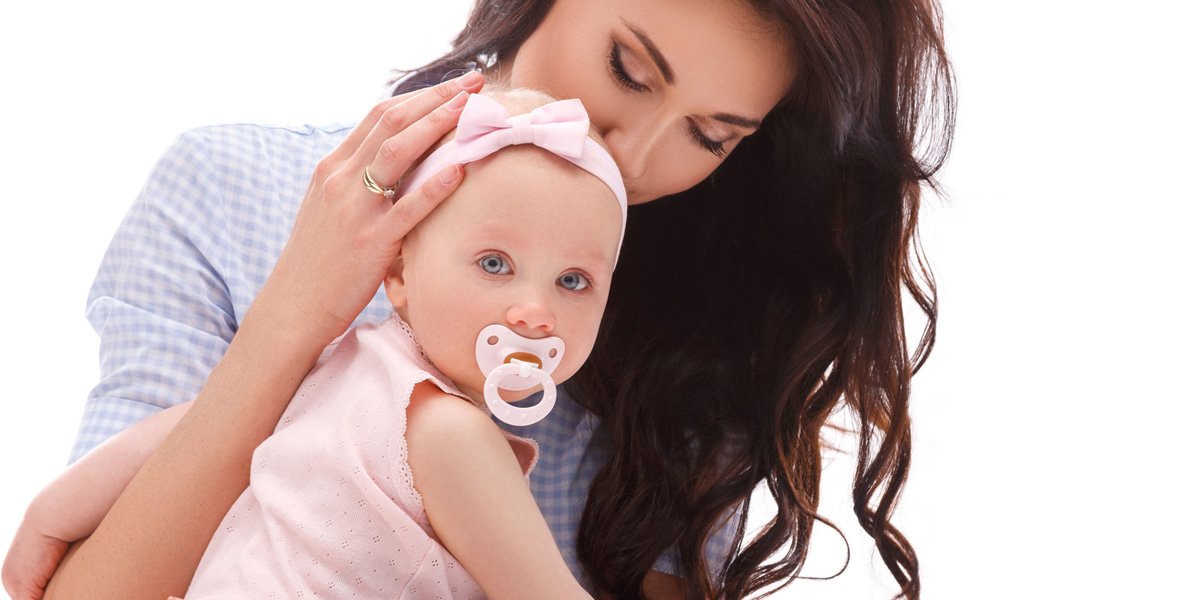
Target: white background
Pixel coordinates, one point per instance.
(1052, 424)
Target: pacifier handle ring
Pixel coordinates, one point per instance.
(518, 415)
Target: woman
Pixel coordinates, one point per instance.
(775, 285)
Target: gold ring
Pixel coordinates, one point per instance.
(387, 192)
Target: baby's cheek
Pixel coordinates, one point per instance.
(574, 359)
(456, 364)
(584, 321)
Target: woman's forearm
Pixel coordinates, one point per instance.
(343, 241)
(72, 506)
(151, 541)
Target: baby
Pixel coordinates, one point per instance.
(386, 476)
(362, 478)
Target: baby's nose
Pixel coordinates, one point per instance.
(532, 315)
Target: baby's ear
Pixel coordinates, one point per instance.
(393, 283)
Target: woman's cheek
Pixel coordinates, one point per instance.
(691, 166)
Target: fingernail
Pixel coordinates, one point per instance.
(458, 102)
(448, 176)
(470, 79)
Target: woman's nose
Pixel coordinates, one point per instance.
(631, 155)
(634, 144)
(532, 315)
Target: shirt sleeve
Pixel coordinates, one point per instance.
(717, 549)
(160, 303)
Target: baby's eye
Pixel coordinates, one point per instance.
(574, 282)
(494, 264)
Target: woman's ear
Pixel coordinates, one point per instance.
(393, 283)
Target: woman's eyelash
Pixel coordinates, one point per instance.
(622, 76)
(717, 148)
(619, 72)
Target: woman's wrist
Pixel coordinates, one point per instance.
(278, 324)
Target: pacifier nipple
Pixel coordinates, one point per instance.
(524, 357)
(514, 362)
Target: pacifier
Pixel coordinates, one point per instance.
(514, 362)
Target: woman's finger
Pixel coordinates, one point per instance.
(395, 155)
(399, 117)
(418, 104)
(346, 148)
(417, 204)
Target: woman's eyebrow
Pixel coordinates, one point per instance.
(655, 55)
(746, 122)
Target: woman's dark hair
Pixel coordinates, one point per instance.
(752, 306)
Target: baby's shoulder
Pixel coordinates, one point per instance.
(446, 417)
(446, 432)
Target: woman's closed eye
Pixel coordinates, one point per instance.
(714, 146)
(495, 264)
(621, 73)
(616, 64)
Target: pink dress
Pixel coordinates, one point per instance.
(331, 511)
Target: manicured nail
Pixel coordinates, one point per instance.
(470, 79)
(458, 102)
(448, 176)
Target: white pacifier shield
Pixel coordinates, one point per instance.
(497, 345)
(514, 362)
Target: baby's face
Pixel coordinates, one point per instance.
(527, 241)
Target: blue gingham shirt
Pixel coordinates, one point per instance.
(190, 256)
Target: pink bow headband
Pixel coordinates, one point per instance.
(559, 127)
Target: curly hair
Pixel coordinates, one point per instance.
(752, 306)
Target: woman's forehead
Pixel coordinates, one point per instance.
(721, 52)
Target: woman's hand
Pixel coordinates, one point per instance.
(344, 239)
(346, 236)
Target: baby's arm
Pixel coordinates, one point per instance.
(479, 502)
(72, 506)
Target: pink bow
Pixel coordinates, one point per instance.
(485, 126)
(559, 127)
